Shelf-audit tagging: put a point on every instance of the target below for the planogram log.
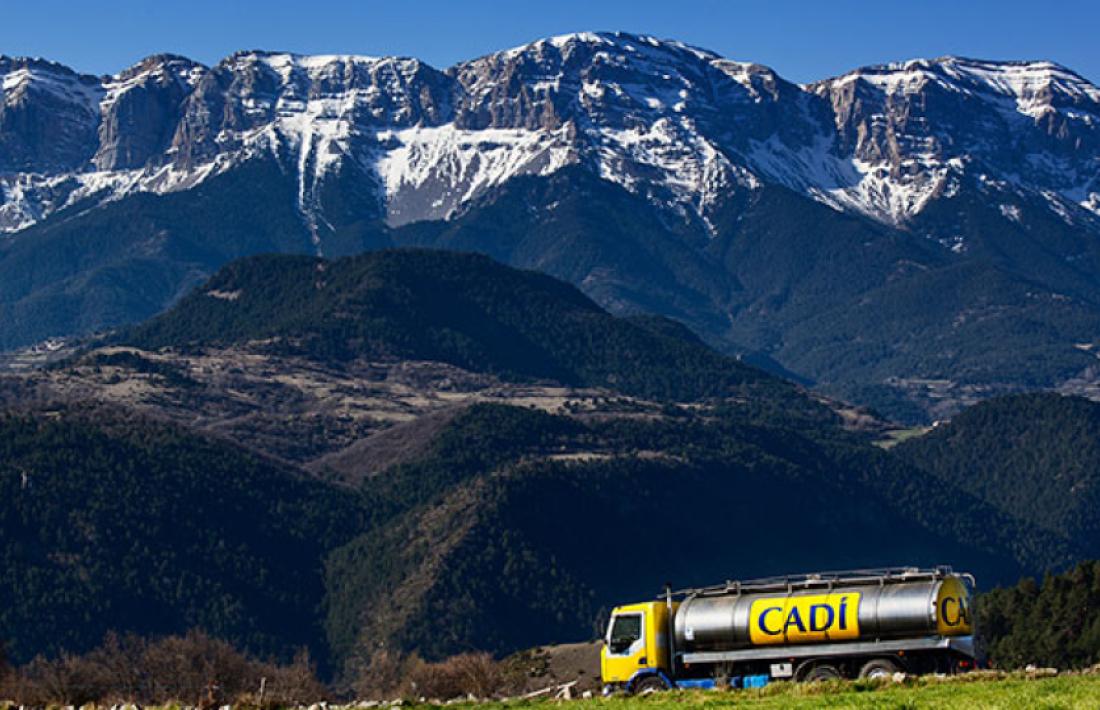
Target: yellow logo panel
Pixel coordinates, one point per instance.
(816, 617)
(953, 608)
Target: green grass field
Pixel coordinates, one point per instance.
(979, 691)
(986, 690)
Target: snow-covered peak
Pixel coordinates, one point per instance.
(1035, 87)
(1019, 77)
(161, 65)
(20, 75)
(160, 69)
(593, 79)
(923, 127)
(624, 41)
(286, 63)
(322, 62)
(10, 63)
(558, 42)
(287, 78)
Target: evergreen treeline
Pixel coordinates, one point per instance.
(1054, 623)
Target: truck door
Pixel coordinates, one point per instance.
(625, 653)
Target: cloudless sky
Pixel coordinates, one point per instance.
(803, 41)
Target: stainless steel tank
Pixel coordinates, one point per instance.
(886, 604)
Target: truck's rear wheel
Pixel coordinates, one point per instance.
(822, 672)
(649, 684)
(878, 668)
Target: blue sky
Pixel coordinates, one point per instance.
(801, 40)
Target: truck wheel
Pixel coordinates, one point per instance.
(649, 684)
(822, 672)
(878, 668)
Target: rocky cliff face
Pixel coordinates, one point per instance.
(48, 117)
(139, 111)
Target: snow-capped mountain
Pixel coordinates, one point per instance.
(909, 235)
(684, 127)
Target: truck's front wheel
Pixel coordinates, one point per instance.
(649, 684)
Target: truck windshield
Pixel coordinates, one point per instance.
(625, 631)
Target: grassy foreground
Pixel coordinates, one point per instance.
(1015, 690)
(978, 690)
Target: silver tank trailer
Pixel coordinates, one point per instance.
(894, 604)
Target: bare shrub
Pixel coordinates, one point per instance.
(16, 688)
(382, 676)
(195, 669)
(474, 674)
(6, 673)
(120, 667)
(66, 680)
(294, 684)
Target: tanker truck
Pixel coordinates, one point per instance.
(858, 623)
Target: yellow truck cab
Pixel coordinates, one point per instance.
(636, 650)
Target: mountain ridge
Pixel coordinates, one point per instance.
(460, 90)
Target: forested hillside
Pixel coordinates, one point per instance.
(114, 522)
(462, 309)
(491, 544)
(1036, 457)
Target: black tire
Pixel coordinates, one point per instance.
(649, 684)
(822, 672)
(879, 668)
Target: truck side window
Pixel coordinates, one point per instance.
(626, 630)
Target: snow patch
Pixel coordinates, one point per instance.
(695, 172)
(1059, 206)
(224, 295)
(849, 183)
(444, 167)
